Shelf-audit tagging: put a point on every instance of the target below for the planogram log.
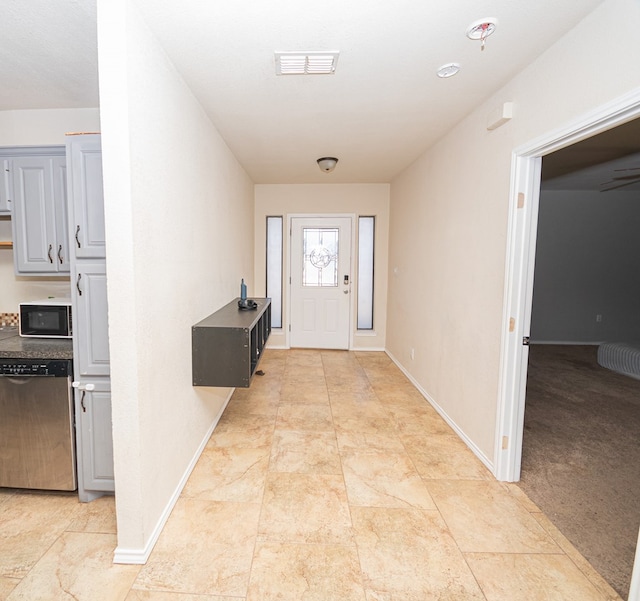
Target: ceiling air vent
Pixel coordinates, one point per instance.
(306, 63)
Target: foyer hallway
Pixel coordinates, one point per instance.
(330, 479)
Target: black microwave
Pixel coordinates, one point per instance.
(49, 318)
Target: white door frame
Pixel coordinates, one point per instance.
(287, 280)
(521, 242)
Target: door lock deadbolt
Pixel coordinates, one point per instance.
(346, 280)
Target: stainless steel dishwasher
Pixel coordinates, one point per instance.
(37, 441)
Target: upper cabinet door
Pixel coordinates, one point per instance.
(61, 213)
(84, 163)
(5, 187)
(37, 199)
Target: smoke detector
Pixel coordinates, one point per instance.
(482, 29)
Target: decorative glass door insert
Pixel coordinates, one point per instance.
(320, 257)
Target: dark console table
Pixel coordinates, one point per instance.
(227, 346)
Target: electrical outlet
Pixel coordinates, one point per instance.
(412, 354)
(599, 318)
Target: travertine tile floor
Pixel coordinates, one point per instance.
(330, 479)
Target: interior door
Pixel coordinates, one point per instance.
(320, 282)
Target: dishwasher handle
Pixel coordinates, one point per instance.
(19, 380)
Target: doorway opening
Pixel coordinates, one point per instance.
(522, 237)
(580, 451)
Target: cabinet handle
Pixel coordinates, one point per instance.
(60, 254)
(84, 409)
(77, 232)
(49, 253)
(78, 284)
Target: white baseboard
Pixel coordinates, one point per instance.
(367, 349)
(140, 556)
(354, 348)
(474, 448)
(565, 342)
(134, 556)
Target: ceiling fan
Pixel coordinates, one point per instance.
(622, 180)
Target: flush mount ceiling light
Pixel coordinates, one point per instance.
(327, 164)
(306, 63)
(448, 70)
(481, 30)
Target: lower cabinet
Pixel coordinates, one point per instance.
(94, 439)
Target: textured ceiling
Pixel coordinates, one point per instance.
(48, 54)
(381, 109)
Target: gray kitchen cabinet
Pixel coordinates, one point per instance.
(94, 439)
(39, 215)
(90, 317)
(90, 322)
(84, 160)
(5, 186)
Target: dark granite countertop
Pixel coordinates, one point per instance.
(17, 347)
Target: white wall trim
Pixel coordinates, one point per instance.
(634, 587)
(618, 111)
(567, 342)
(520, 253)
(474, 448)
(365, 349)
(140, 556)
(359, 349)
(525, 179)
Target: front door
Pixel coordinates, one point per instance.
(320, 282)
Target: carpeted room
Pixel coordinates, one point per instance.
(581, 457)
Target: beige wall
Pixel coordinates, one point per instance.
(353, 199)
(448, 224)
(45, 127)
(35, 128)
(179, 231)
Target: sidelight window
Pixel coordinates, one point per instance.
(366, 239)
(274, 269)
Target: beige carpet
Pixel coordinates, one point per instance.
(581, 455)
